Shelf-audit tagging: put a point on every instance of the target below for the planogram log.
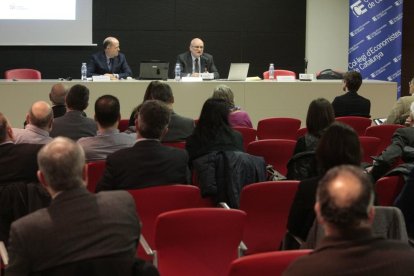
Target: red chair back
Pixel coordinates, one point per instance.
(301, 132)
(249, 135)
(271, 263)
(23, 73)
(359, 124)
(204, 241)
(387, 189)
(276, 152)
(369, 147)
(267, 205)
(178, 145)
(95, 172)
(123, 125)
(279, 73)
(278, 128)
(384, 132)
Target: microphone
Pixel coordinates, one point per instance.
(306, 65)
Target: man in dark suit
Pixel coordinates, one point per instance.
(351, 104)
(110, 61)
(344, 207)
(77, 225)
(74, 124)
(148, 162)
(195, 61)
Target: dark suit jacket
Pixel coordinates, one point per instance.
(98, 65)
(74, 126)
(179, 128)
(147, 163)
(59, 110)
(76, 226)
(206, 61)
(351, 104)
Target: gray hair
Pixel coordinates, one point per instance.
(224, 92)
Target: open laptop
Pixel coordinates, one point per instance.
(238, 71)
(153, 70)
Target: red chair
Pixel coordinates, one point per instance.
(359, 124)
(23, 73)
(267, 205)
(279, 73)
(178, 145)
(387, 189)
(200, 242)
(123, 125)
(276, 152)
(271, 263)
(278, 128)
(152, 201)
(301, 132)
(95, 172)
(249, 135)
(369, 147)
(384, 132)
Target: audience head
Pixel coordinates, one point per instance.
(352, 81)
(6, 132)
(107, 111)
(153, 119)
(162, 92)
(148, 91)
(58, 94)
(320, 116)
(61, 165)
(411, 86)
(339, 145)
(111, 47)
(344, 199)
(78, 97)
(224, 92)
(196, 47)
(40, 115)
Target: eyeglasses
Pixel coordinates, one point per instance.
(198, 47)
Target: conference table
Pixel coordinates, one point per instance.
(261, 99)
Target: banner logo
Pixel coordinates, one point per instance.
(358, 8)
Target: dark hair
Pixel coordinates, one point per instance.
(107, 110)
(339, 145)
(162, 92)
(153, 118)
(3, 128)
(320, 116)
(78, 97)
(345, 214)
(213, 120)
(353, 80)
(148, 91)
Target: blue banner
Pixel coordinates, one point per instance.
(375, 39)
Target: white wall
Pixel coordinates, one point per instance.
(327, 28)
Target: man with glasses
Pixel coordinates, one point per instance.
(401, 110)
(195, 61)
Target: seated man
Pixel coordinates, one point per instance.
(108, 139)
(351, 104)
(148, 162)
(77, 225)
(344, 207)
(109, 62)
(74, 124)
(401, 110)
(195, 61)
(57, 96)
(40, 119)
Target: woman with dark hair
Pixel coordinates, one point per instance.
(320, 116)
(147, 96)
(213, 132)
(339, 145)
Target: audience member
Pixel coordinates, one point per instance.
(195, 61)
(148, 162)
(57, 96)
(74, 124)
(147, 96)
(213, 131)
(339, 145)
(351, 104)
(78, 225)
(39, 119)
(401, 110)
(237, 117)
(320, 116)
(108, 139)
(344, 207)
(110, 61)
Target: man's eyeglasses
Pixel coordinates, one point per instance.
(198, 47)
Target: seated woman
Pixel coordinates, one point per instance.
(237, 117)
(147, 96)
(339, 145)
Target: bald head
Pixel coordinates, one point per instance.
(111, 47)
(196, 47)
(57, 94)
(40, 115)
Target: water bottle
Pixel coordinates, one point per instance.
(271, 71)
(83, 71)
(177, 72)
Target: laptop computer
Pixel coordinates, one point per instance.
(153, 70)
(238, 71)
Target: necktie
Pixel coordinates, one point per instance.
(110, 64)
(196, 66)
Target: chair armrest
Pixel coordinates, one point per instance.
(224, 205)
(148, 250)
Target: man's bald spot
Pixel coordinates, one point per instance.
(40, 114)
(345, 189)
(196, 41)
(58, 93)
(110, 40)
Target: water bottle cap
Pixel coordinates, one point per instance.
(83, 63)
